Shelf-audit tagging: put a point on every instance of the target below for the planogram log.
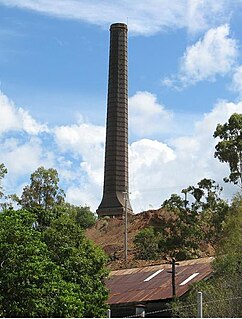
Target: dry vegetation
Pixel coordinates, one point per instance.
(109, 234)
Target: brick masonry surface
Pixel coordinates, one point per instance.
(116, 151)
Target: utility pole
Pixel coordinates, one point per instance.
(173, 274)
(125, 228)
(173, 277)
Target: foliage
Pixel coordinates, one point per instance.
(81, 262)
(46, 199)
(82, 215)
(222, 293)
(43, 192)
(187, 223)
(31, 285)
(180, 233)
(211, 208)
(147, 243)
(57, 273)
(218, 301)
(3, 172)
(174, 203)
(229, 149)
(206, 195)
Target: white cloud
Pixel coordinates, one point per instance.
(86, 141)
(215, 54)
(23, 158)
(158, 169)
(144, 18)
(147, 116)
(17, 119)
(84, 195)
(82, 138)
(21, 153)
(237, 80)
(202, 14)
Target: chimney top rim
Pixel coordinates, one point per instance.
(118, 26)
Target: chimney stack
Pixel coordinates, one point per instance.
(116, 186)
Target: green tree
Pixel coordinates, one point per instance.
(3, 172)
(211, 208)
(53, 273)
(229, 148)
(147, 244)
(43, 196)
(81, 262)
(43, 191)
(180, 233)
(190, 223)
(81, 215)
(223, 292)
(31, 284)
(174, 203)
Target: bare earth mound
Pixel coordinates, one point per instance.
(109, 234)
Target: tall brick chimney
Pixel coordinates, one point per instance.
(115, 189)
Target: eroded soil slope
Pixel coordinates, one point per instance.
(109, 234)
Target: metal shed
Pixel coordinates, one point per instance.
(152, 285)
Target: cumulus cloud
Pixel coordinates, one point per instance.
(17, 119)
(147, 116)
(84, 195)
(22, 150)
(24, 157)
(86, 141)
(81, 138)
(215, 54)
(201, 15)
(195, 15)
(237, 80)
(158, 169)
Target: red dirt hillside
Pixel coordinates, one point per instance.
(109, 234)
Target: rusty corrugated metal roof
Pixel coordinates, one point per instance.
(129, 285)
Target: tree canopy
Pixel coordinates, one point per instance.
(80, 261)
(48, 267)
(188, 223)
(44, 191)
(147, 243)
(46, 199)
(229, 148)
(222, 293)
(55, 273)
(3, 172)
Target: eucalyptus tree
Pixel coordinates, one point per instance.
(229, 148)
(3, 172)
(44, 191)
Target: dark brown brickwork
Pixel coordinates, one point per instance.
(116, 152)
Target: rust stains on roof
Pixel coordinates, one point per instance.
(155, 282)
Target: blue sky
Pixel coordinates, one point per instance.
(185, 76)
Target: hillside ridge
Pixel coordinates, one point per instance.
(108, 233)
